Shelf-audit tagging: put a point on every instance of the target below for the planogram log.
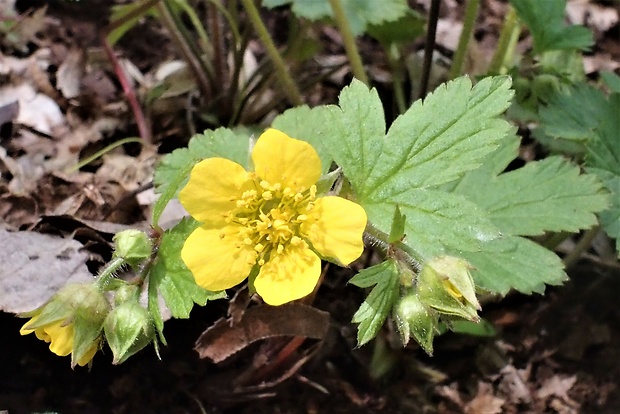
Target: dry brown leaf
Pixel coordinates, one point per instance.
(557, 386)
(484, 401)
(35, 266)
(69, 74)
(260, 322)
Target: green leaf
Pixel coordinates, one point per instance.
(374, 310)
(612, 81)
(405, 29)
(573, 113)
(436, 221)
(173, 170)
(435, 141)
(397, 229)
(546, 195)
(603, 159)
(308, 125)
(359, 13)
(515, 263)
(545, 19)
(172, 279)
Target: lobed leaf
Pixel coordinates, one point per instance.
(517, 263)
(374, 310)
(573, 113)
(170, 278)
(545, 19)
(359, 13)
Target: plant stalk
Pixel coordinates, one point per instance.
(582, 245)
(429, 47)
(471, 13)
(289, 85)
(506, 44)
(348, 41)
(107, 274)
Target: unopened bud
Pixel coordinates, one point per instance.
(446, 285)
(132, 245)
(128, 328)
(415, 319)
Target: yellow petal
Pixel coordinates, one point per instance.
(335, 227)
(293, 275)
(288, 161)
(89, 355)
(61, 338)
(212, 185)
(214, 258)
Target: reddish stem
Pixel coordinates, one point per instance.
(130, 94)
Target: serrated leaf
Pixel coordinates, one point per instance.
(436, 220)
(173, 170)
(308, 125)
(359, 13)
(603, 159)
(515, 263)
(612, 81)
(435, 141)
(405, 29)
(546, 195)
(374, 310)
(545, 19)
(172, 279)
(573, 113)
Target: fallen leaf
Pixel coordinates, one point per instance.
(557, 386)
(35, 266)
(484, 401)
(222, 340)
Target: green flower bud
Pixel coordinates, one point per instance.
(71, 321)
(128, 329)
(132, 245)
(446, 285)
(413, 318)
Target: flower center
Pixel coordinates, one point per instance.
(271, 216)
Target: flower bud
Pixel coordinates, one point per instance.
(413, 318)
(71, 322)
(128, 329)
(446, 285)
(133, 246)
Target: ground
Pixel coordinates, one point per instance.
(555, 353)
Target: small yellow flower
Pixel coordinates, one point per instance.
(60, 337)
(270, 218)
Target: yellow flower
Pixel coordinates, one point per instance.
(71, 322)
(60, 337)
(270, 218)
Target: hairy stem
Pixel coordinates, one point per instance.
(109, 272)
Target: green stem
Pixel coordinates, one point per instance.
(399, 251)
(289, 85)
(471, 13)
(507, 41)
(101, 152)
(197, 65)
(582, 245)
(348, 41)
(108, 273)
